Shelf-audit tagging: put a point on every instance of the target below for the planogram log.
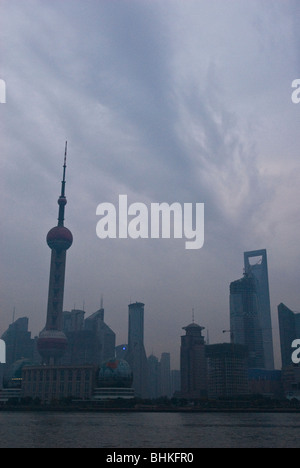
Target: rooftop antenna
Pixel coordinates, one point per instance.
(14, 313)
(193, 315)
(101, 302)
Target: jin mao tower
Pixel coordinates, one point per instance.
(52, 342)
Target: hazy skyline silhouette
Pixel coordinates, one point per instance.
(164, 101)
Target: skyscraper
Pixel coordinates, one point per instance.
(250, 311)
(244, 320)
(52, 342)
(289, 330)
(193, 363)
(136, 355)
(165, 375)
(227, 370)
(259, 271)
(19, 343)
(105, 338)
(90, 340)
(153, 377)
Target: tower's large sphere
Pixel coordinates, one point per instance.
(59, 238)
(115, 373)
(52, 344)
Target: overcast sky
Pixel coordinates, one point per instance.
(164, 101)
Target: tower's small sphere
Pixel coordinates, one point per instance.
(59, 238)
(62, 201)
(115, 373)
(52, 344)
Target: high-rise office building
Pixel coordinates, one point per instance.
(153, 377)
(227, 370)
(244, 320)
(165, 375)
(52, 341)
(259, 270)
(19, 343)
(90, 340)
(136, 355)
(159, 376)
(175, 382)
(104, 336)
(289, 330)
(193, 363)
(19, 346)
(250, 311)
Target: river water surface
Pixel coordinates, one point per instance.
(148, 430)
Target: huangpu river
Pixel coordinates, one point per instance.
(148, 430)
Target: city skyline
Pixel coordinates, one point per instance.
(157, 102)
(52, 342)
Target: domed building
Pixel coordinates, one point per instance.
(115, 373)
(114, 381)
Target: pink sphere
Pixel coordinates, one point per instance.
(59, 238)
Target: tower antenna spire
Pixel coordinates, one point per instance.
(62, 201)
(64, 171)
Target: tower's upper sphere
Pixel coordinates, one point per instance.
(59, 238)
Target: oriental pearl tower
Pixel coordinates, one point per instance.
(52, 341)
